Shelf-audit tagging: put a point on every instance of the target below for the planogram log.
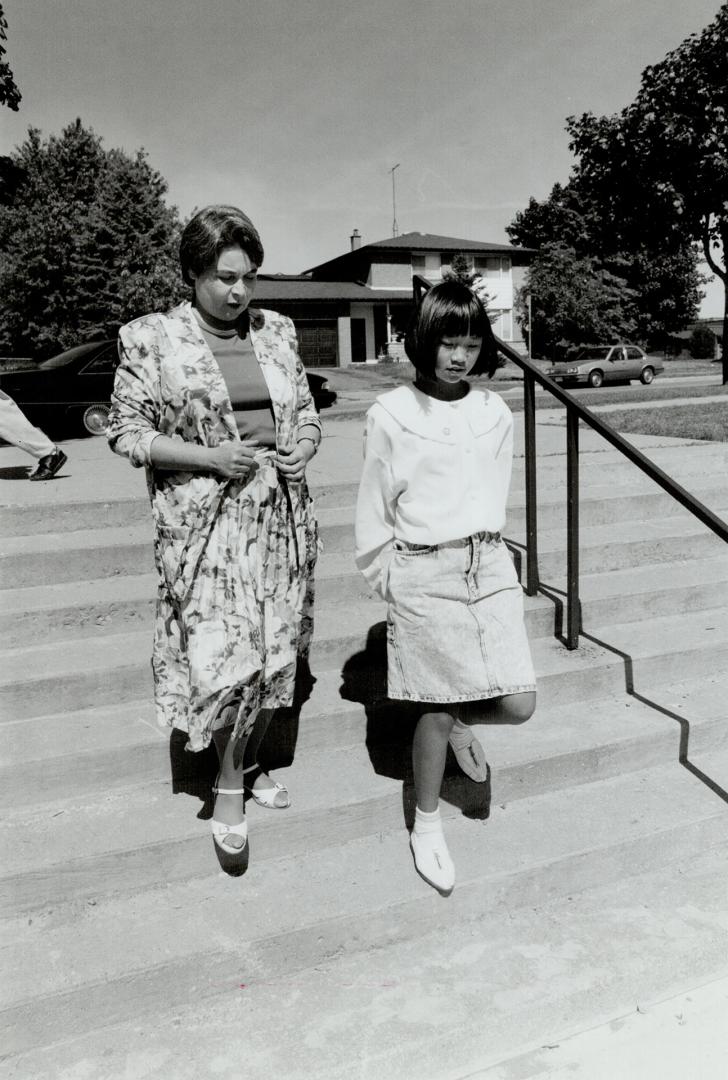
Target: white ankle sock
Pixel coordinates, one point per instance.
(461, 735)
(427, 821)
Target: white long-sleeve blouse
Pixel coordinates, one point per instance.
(433, 471)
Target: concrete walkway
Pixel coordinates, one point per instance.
(94, 474)
(681, 1037)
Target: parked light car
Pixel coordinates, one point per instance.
(594, 365)
(74, 388)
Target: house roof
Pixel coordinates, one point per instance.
(289, 287)
(417, 241)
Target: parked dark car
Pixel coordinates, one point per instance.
(73, 389)
(594, 365)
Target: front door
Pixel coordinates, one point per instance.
(358, 340)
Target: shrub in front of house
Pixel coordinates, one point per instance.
(702, 343)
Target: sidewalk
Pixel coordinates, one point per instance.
(93, 474)
(681, 1038)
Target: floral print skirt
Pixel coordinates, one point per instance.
(245, 618)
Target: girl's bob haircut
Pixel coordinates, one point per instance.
(212, 229)
(449, 309)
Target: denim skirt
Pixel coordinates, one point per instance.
(455, 629)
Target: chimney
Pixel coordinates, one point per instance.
(355, 240)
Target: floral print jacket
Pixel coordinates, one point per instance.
(169, 383)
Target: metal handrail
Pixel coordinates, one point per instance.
(574, 413)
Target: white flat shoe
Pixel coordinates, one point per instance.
(470, 756)
(433, 862)
(220, 830)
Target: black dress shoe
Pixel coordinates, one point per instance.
(49, 465)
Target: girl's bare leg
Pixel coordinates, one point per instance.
(508, 709)
(429, 751)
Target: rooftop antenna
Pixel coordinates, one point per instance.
(395, 231)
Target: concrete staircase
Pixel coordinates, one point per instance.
(591, 867)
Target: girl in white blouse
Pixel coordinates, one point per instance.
(431, 507)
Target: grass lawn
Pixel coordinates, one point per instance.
(708, 421)
(635, 392)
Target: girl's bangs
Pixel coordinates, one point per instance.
(465, 320)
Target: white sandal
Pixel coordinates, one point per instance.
(220, 830)
(267, 796)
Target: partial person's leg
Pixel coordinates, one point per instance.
(468, 751)
(15, 428)
(429, 752)
(230, 808)
(265, 791)
(508, 709)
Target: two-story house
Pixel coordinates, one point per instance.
(349, 309)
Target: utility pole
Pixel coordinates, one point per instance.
(394, 203)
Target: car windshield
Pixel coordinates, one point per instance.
(66, 357)
(593, 352)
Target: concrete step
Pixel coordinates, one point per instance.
(58, 558)
(105, 670)
(105, 606)
(638, 724)
(108, 606)
(53, 557)
(59, 793)
(205, 940)
(79, 673)
(530, 992)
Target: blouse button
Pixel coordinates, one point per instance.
(446, 431)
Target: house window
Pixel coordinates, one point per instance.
(493, 268)
(503, 324)
(429, 265)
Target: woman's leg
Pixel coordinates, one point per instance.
(429, 751)
(229, 809)
(257, 779)
(271, 793)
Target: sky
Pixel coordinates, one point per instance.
(297, 110)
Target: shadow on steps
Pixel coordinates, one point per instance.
(390, 729)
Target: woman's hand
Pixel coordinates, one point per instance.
(292, 463)
(233, 459)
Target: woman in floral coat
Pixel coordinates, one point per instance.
(212, 399)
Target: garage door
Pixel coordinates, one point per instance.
(318, 344)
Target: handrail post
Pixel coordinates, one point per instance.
(573, 603)
(529, 412)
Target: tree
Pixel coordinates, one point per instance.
(86, 243)
(460, 269)
(702, 343)
(9, 93)
(667, 152)
(580, 216)
(574, 301)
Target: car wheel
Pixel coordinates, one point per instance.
(647, 375)
(596, 378)
(96, 419)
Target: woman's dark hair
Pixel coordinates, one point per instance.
(212, 229)
(449, 309)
